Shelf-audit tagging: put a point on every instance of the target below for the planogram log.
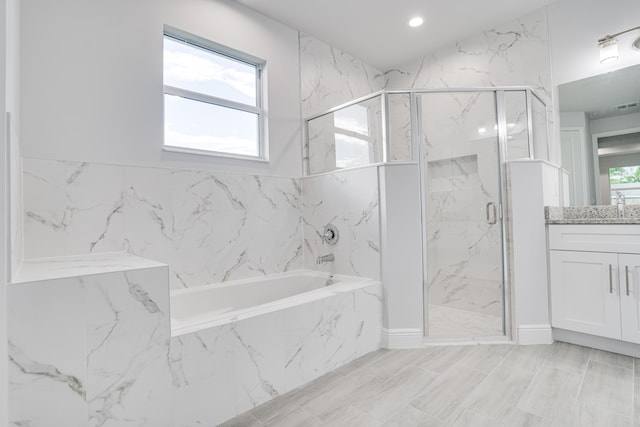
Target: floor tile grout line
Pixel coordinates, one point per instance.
(633, 393)
(582, 379)
(531, 381)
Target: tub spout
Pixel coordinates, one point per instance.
(325, 258)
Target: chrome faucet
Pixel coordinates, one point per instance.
(620, 204)
(325, 258)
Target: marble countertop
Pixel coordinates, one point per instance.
(603, 214)
(36, 269)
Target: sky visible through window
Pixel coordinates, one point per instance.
(204, 126)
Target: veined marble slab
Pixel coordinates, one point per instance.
(91, 350)
(38, 269)
(208, 227)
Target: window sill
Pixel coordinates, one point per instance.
(217, 154)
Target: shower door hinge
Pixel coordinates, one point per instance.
(500, 215)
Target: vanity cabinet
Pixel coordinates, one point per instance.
(594, 280)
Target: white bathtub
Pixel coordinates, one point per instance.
(214, 305)
(245, 342)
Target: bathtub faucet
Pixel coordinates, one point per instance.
(325, 258)
(329, 281)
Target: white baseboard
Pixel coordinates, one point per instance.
(534, 334)
(402, 338)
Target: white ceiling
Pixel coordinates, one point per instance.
(598, 96)
(376, 31)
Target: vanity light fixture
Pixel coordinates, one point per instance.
(608, 50)
(416, 21)
(609, 46)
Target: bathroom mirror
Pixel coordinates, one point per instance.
(600, 137)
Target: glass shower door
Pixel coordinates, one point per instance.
(460, 160)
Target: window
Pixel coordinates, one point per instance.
(626, 181)
(212, 98)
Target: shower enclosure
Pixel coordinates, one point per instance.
(460, 139)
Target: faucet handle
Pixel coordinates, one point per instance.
(330, 234)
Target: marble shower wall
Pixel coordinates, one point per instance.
(209, 227)
(349, 200)
(331, 77)
(91, 350)
(400, 132)
(513, 54)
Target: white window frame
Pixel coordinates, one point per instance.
(259, 110)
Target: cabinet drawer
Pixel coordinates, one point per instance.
(622, 238)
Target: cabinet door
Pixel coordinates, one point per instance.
(585, 293)
(630, 301)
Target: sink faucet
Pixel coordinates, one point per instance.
(325, 258)
(620, 204)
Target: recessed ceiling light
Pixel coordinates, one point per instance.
(416, 22)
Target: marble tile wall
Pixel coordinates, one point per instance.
(90, 350)
(400, 132)
(226, 370)
(209, 227)
(513, 54)
(331, 77)
(348, 199)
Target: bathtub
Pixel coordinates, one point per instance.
(244, 342)
(214, 305)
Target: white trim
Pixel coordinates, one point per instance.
(195, 151)
(402, 338)
(534, 334)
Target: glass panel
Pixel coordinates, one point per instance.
(517, 125)
(200, 70)
(626, 181)
(351, 151)
(202, 126)
(349, 137)
(399, 111)
(464, 270)
(540, 138)
(354, 118)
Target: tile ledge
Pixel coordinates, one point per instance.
(49, 268)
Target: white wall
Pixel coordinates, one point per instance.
(534, 184)
(5, 257)
(401, 244)
(575, 27)
(100, 99)
(9, 102)
(608, 124)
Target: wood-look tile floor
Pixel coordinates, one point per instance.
(482, 385)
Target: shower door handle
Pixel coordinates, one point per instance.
(492, 213)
